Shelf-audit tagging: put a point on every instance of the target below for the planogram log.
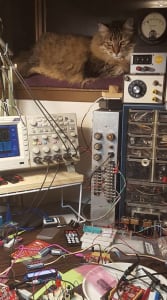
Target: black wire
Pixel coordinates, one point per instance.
(50, 185)
(126, 273)
(44, 110)
(25, 221)
(39, 104)
(3, 100)
(43, 107)
(46, 191)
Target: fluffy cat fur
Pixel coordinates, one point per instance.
(78, 58)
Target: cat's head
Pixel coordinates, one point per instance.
(117, 39)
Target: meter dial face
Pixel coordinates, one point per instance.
(153, 27)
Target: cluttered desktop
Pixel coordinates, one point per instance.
(113, 246)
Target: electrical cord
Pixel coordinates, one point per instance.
(44, 111)
(48, 188)
(114, 203)
(41, 107)
(24, 222)
(83, 119)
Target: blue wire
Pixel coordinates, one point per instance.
(157, 296)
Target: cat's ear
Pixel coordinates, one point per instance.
(129, 24)
(103, 29)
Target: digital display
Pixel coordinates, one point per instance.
(142, 59)
(4, 134)
(9, 144)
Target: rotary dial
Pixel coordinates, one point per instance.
(137, 88)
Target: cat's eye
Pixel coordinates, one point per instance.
(122, 43)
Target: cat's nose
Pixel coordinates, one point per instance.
(117, 55)
(116, 47)
(117, 50)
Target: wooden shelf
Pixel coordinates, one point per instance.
(33, 180)
(59, 94)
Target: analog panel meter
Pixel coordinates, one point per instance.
(153, 27)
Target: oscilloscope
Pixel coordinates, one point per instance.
(34, 141)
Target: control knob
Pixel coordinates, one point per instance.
(35, 138)
(33, 122)
(35, 150)
(98, 135)
(137, 88)
(56, 148)
(46, 149)
(54, 135)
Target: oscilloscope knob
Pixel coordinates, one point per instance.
(55, 148)
(44, 136)
(35, 150)
(64, 148)
(73, 134)
(46, 149)
(35, 138)
(38, 160)
(54, 135)
(33, 123)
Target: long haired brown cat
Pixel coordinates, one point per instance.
(76, 58)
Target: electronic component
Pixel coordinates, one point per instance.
(24, 294)
(41, 274)
(43, 252)
(104, 239)
(60, 295)
(51, 221)
(54, 140)
(144, 89)
(10, 243)
(126, 291)
(44, 289)
(152, 27)
(92, 229)
(57, 252)
(72, 237)
(34, 141)
(3, 181)
(96, 257)
(14, 151)
(105, 144)
(148, 63)
(13, 178)
(7, 293)
(35, 266)
(145, 162)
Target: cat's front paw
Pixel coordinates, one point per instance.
(87, 81)
(120, 69)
